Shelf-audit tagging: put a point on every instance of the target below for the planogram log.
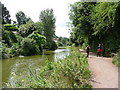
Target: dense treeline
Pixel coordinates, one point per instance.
(94, 23)
(24, 36)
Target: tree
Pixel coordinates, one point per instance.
(29, 27)
(29, 47)
(39, 27)
(48, 20)
(26, 29)
(5, 15)
(40, 39)
(22, 18)
(10, 27)
(8, 36)
(105, 18)
(95, 23)
(80, 16)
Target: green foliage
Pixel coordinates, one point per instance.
(22, 18)
(5, 15)
(26, 29)
(85, 44)
(48, 20)
(116, 59)
(39, 27)
(8, 52)
(19, 38)
(96, 22)
(5, 51)
(72, 72)
(7, 34)
(53, 45)
(29, 27)
(10, 27)
(103, 20)
(15, 50)
(10, 41)
(40, 39)
(8, 37)
(29, 47)
(80, 16)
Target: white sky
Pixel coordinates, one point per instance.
(32, 8)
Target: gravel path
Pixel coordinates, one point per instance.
(104, 73)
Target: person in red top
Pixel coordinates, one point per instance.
(99, 50)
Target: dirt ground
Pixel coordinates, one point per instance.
(104, 73)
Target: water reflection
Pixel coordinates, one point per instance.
(61, 54)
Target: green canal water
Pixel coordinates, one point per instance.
(19, 65)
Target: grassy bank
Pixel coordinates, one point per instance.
(116, 59)
(72, 72)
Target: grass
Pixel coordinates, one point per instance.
(72, 72)
(116, 59)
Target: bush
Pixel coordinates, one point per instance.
(29, 47)
(10, 27)
(26, 29)
(53, 45)
(8, 37)
(15, 50)
(19, 39)
(5, 51)
(116, 59)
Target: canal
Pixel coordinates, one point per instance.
(19, 65)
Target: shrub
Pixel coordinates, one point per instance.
(15, 50)
(19, 38)
(5, 51)
(26, 29)
(8, 37)
(116, 59)
(10, 27)
(53, 45)
(29, 47)
(40, 39)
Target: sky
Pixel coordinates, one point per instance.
(32, 8)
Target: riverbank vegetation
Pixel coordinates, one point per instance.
(24, 36)
(72, 72)
(116, 59)
(94, 23)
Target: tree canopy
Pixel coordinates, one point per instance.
(94, 23)
(5, 15)
(22, 18)
(48, 19)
